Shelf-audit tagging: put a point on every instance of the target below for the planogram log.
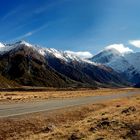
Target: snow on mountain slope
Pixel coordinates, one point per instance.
(119, 64)
(46, 52)
(24, 43)
(106, 56)
(62, 55)
(50, 52)
(112, 58)
(134, 60)
(127, 64)
(2, 47)
(118, 61)
(8, 47)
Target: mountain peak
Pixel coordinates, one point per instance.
(22, 42)
(106, 55)
(7, 47)
(111, 51)
(120, 48)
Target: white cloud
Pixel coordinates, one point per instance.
(81, 54)
(135, 43)
(120, 47)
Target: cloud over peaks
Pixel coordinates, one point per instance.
(120, 47)
(135, 43)
(81, 54)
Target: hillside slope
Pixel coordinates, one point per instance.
(5, 83)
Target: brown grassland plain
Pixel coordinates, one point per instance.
(111, 120)
(25, 96)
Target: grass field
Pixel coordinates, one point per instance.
(25, 96)
(112, 120)
(115, 120)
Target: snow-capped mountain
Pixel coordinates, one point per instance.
(134, 60)
(62, 55)
(112, 58)
(33, 65)
(106, 56)
(8, 47)
(127, 64)
(46, 52)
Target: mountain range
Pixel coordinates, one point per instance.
(24, 64)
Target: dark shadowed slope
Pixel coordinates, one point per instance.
(5, 83)
(27, 67)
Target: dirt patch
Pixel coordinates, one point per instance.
(128, 110)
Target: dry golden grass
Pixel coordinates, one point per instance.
(113, 120)
(30, 96)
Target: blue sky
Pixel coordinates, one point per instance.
(76, 25)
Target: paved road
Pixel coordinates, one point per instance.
(38, 106)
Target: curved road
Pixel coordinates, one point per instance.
(47, 105)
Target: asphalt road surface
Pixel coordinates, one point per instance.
(7, 110)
